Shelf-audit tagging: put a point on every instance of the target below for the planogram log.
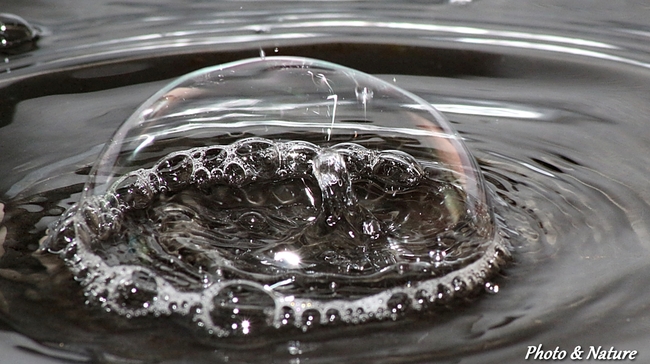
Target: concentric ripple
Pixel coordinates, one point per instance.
(327, 219)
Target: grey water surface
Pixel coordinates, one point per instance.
(551, 97)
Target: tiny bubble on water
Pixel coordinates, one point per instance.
(491, 287)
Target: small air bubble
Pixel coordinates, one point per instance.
(252, 221)
(422, 297)
(175, 171)
(459, 284)
(437, 256)
(333, 315)
(294, 347)
(491, 287)
(235, 174)
(443, 294)
(286, 316)
(398, 303)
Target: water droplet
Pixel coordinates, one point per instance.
(16, 33)
(364, 96)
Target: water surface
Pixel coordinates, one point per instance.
(551, 100)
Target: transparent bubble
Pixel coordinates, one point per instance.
(281, 192)
(15, 32)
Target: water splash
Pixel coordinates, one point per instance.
(230, 198)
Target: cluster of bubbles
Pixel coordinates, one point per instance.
(268, 233)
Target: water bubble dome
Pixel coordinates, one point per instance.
(279, 192)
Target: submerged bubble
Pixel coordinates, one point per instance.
(248, 197)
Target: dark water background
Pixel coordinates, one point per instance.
(552, 98)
